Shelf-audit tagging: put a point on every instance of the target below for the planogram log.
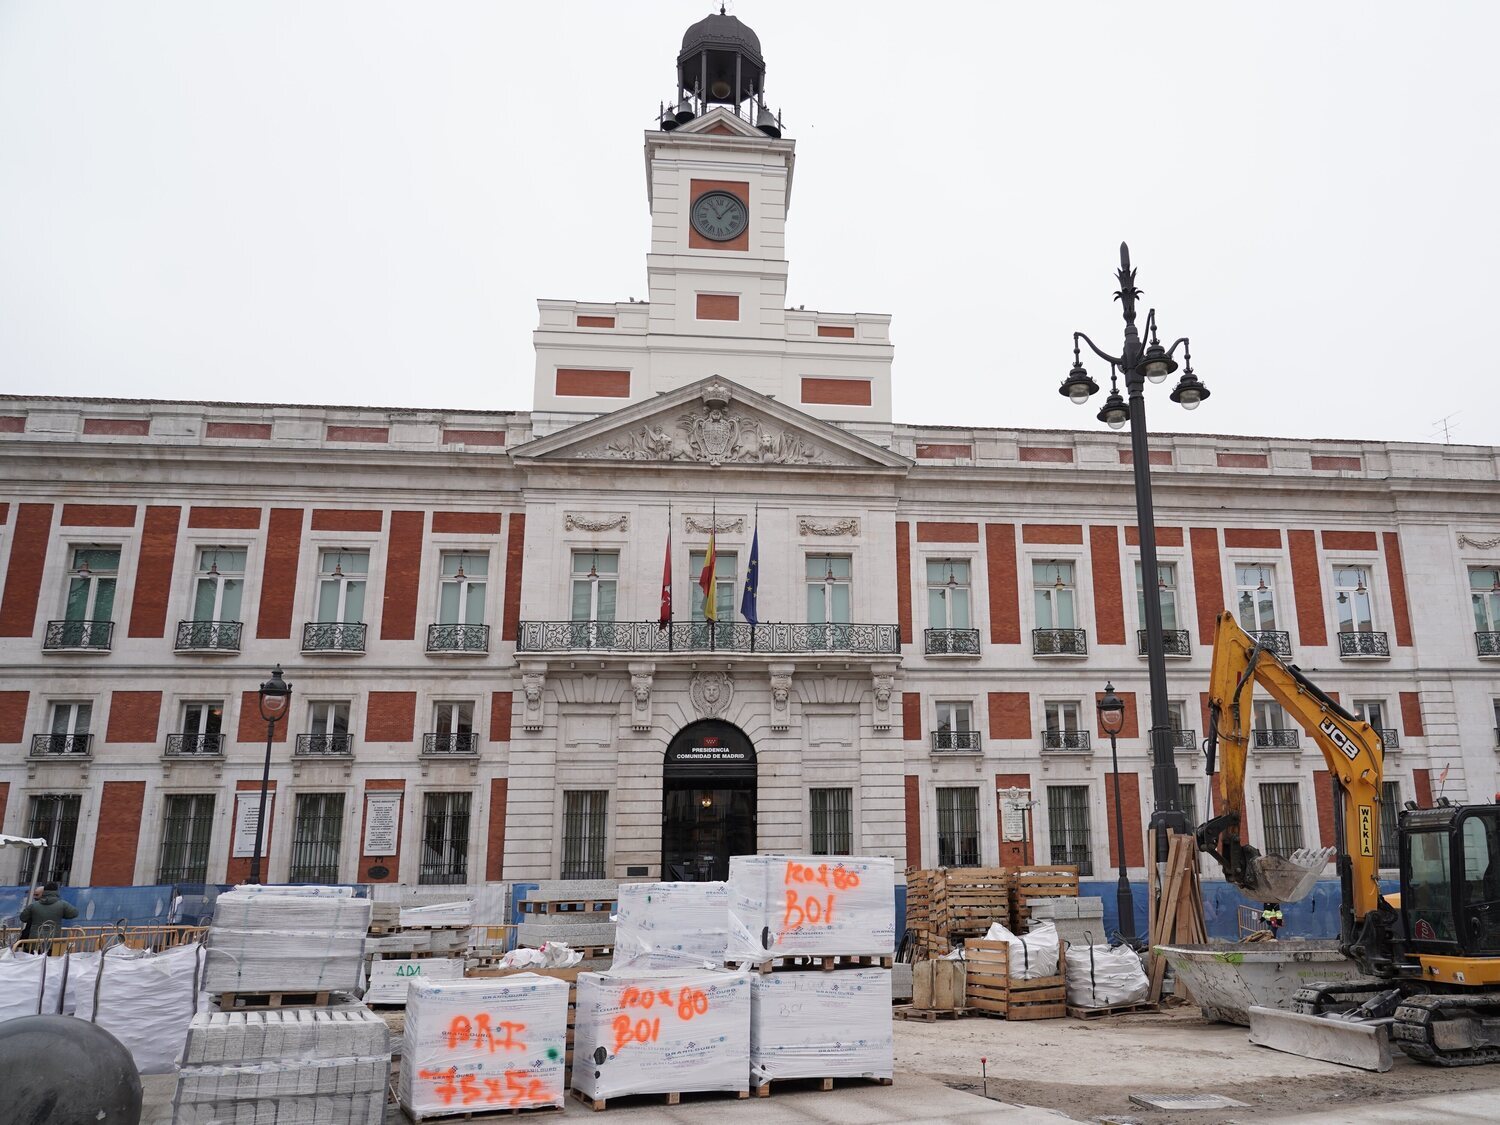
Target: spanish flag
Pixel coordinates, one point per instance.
(706, 582)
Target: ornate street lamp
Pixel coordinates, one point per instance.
(1112, 718)
(1139, 363)
(275, 694)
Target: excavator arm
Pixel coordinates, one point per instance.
(1350, 747)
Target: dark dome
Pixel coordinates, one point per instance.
(719, 32)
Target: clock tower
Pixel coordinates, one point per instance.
(719, 183)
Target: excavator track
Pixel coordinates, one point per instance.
(1419, 1028)
(1335, 996)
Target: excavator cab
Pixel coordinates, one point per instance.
(1450, 880)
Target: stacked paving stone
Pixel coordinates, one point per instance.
(1079, 921)
(575, 911)
(293, 1066)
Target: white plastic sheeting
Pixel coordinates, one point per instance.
(287, 939)
(389, 977)
(1032, 954)
(484, 1045)
(32, 984)
(439, 914)
(665, 1032)
(1100, 977)
(821, 1025)
(671, 925)
(552, 955)
(782, 905)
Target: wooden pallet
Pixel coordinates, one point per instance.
(929, 1015)
(598, 1104)
(990, 991)
(765, 1088)
(573, 906)
(1112, 1010)
(264, 1001)
(826, 963)
(479, 1116)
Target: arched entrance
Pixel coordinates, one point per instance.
(707, 801)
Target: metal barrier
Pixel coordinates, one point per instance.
(91, 939)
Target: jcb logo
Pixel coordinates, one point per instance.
(1340, 739)
(1366, 837)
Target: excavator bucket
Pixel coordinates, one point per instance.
(1365, 1044)
(1277, 878)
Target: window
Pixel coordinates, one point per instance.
(1484, 593)
(327, 719)
(954, 717)
(595, 579)
(955, 727)
(1372, 711)
(1060, 716)
(725, 572)
(187, 827)
(453, 728)
(1052, 591)
(1255, 597)
(54, 817)
(341, 585)
(828, 586)
(583, 833)
(1390, 809)
(219, 584)
(1352, 597)
(948, 594)
(463, 583)
(1271, 716)
(91, 589)
(1166, 589)
(1068, 826)
(958, 827)
(202, 728)
(1281, 813)
(832, 829)
(1187, 801)
(72, 719)
(317, 832)
(445, 839)
(1430, 887)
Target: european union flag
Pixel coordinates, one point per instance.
(748, 609)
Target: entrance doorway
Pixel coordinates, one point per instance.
(708, 801)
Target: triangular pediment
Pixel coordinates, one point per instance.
(721, 122)
(715, 422)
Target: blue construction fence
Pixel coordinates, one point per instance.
(182, 904)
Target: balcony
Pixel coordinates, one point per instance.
(334, 637)
(1390, 738)
(965, 741)
(951, 642)
(458, 640)
(1175, 642)
(1275, 739)
(772, 638)
(209, 636)
(1066, 740)
(1059, 642)
(52, 747)
(195, 745)
(78, 636)
(324, 746)
(1278, 641)
(450, 744)
(1489, 643)
(1364, 644)
(1184, 739)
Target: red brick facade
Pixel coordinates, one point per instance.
(226, 519)
(1307, 588)
(1016, 852)
(1130, 807)
(117, 427)
(578, 382)
(1052, 533)
(23, 573)
(98, 515)
(473, 437)
(134, 716)
(278, 582)
(13, 716)
(913, 821)
(467, 523)
(390, 716)
(1131, 727)
(1109, 598)
(911, 716)
(1254, 538)
(1010, 714)
(153, 580)
(500, 705)
(1046, 453)
(836, 392)
(718, 306)
(1005, 596)
(252, 726)
(940, 532)
(903, 580)
(347, 519)
(1323, 795)
(515, 554)
(374, 435)
(117, 838)
(1349, 541)
(1208, 580)
(494, 857)
(1411, 714)
(244, 431)
(1396, 571)
(403, 576)
(392, 863)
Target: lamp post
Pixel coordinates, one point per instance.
(1112, 718)
(275, 694)
(1138, 363)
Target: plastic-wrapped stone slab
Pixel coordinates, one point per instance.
(293, 939)
(389, 978)
(671, 925)
(783, 905)
(821, 1025)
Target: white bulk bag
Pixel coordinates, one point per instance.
(1033, 954)
(1100, 977)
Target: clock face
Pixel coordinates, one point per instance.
(719, 216)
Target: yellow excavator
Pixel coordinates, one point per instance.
(1430, 954)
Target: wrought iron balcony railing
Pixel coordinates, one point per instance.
(209, 636)
(324, 745)
(951, 642)
(1364, 644)
(965, 740)
(1174, 642)
(195, 745)
(1276, 739)
(333, 636)
(450, 744)
(1066, 740)
(704, 636)
(88, 636)
(467, 639)
(1059, 642)
(61, 745)
(1184, 739)
(1390, 738)
(1278, 641)
(1489, 643)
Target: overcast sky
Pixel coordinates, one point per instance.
(360, 202)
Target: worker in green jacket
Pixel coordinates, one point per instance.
(44, 917)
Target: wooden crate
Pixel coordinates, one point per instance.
(990, 991)
(1027, 883)
(973, 898)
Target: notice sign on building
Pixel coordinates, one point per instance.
(1014, 804)
(246, 817)
(382, 823)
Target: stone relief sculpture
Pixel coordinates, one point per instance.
(1478, 544)
(846, 526)
(711, 693)
(705, 526)
(581, 523)
(885, 683)
(781, 694)
(531, 684)
(641, 678)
